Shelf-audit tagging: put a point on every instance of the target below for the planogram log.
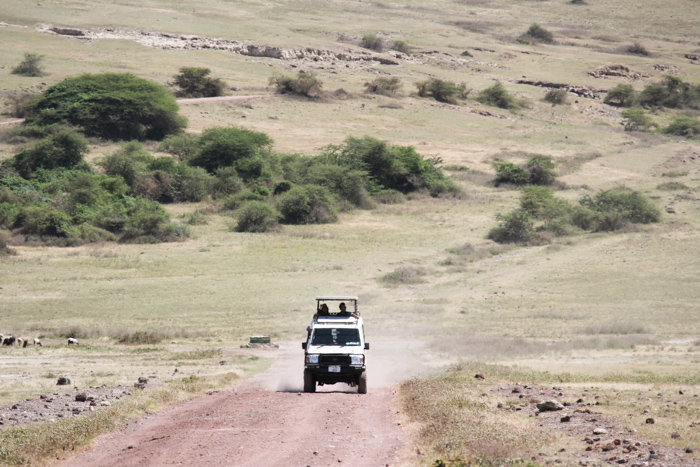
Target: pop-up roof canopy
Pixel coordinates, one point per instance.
(337, 298)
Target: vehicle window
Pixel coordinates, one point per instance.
(336, 336)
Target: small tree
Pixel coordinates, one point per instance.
(401, 46)
(196, 82)
(636, 120)
(16, 104)
(110, 105)
(30, 66)
(227, 147)
(538, 33)
(541, 169)
(622, 95)
(654, 96)
(384, 86)
(497, 96)
(305, 84)
(372, 42)
(307, 204)
(443, 91)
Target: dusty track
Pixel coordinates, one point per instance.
(264, 421)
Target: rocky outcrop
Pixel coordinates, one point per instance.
(618, 71)
(581, 91)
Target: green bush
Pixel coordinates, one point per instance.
(622, 95)
(516, 227)
(226, 146)
(617, 207)
(636, 120)
(30, 66)
(497, 96)
(443, 91)
(110, 105)
(64, 148)
(541, 169)
(538, 33)
(307, 204)
(509, 172)
(555, 96)
(128, 162)
(183, 146)
(235, 201)
(349, 184)
(538, 170)
(8, 214)
(399, 168)
(372, 42)
(384, 86)
(257, 216)
(191, 184)
(654, 96)
(282, 186)
(304, 84)
(227, 182)
(196, 82)
(687, 127)
(148, 222)
(45, 220)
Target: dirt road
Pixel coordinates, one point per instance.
(265, 421)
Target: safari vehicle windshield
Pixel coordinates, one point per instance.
(336, 336)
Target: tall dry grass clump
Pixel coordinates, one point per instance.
(454, 421)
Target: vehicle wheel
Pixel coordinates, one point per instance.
(309, 383)
(362, 384)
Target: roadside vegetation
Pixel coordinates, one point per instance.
(196, 82)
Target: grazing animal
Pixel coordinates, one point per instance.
(20, 341)
(72, 340)
(9, 340)
(25, 343)
(37, 342)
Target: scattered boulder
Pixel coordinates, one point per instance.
(479, 376)
(618, 71)
(675, 435)
(600, 431)
(143, 379)
(650, 421)
(549, 406)
(81, 397)
(63, 381)
(68, 31)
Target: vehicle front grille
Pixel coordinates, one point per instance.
(334, 359)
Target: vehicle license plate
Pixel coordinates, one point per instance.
(334, 369)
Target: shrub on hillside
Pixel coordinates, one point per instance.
(636, 120)
(389, 167)
(653, 96)
(555, 96)
(672, 92)
(515, 227)
(64, 148)
(235, 201)
(622, 95)
(538, 170)
(443, 91)
(372, 42)
(538, 33)
(304, 84)
(497, 96)
(257, 216)
(196, 82)
(307, 204)
(621, 205)
(687, 127)
(227, 182)
(636, 49)
(384, 86)
(148, 222)
(228, 147)
(401, 46)
(128, 162)
(110, 105)
(30, 66)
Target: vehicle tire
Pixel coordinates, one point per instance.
(362, 384)
(309, 383)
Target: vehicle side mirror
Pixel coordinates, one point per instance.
(303, 345)
(366, 345)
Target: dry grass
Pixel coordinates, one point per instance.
(454, 418)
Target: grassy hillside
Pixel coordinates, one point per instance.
(590, 304)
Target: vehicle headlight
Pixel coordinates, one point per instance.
(312, 359)
(357, 359)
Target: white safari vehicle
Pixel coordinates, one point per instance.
(335, 345)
